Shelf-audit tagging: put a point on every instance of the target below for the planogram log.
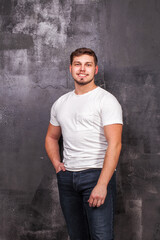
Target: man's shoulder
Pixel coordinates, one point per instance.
(103, 93)
(66, 95)
(107, 98)
(63, 98)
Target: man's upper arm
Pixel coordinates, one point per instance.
(113, 133)
(53, 132)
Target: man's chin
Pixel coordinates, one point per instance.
(82, 83)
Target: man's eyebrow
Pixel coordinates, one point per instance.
(80, 62)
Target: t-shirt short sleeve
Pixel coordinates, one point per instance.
(53, 116)
(111, 111)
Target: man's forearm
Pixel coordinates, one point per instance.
(110, 163)
(99, 192)
(52, 149)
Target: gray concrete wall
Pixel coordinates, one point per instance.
(36, 39)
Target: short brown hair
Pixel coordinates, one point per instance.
(81, 51)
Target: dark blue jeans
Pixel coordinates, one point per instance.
(85, 222)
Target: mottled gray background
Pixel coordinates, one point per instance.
(36, 39)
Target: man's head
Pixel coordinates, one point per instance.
(83, 51)
(83, 66)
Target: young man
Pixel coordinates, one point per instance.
(90, 121)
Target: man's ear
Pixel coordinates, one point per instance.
(96, 70)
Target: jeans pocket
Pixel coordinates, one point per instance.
(59, 172)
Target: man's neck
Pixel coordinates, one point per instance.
(82, 89)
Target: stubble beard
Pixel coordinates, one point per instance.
(83, 83)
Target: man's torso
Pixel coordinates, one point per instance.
(81, 118)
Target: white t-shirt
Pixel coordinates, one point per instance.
(81, 118)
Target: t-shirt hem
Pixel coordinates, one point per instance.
(54, 124)
(110, 123)
(83, 169)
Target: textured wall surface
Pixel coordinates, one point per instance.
(36, 39)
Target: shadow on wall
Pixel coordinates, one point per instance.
(41, 219)
(44, 219)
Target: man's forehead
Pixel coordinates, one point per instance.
(84, 57)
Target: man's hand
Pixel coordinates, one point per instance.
(60, 167)
(98, 195)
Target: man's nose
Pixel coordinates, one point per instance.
(82, 67)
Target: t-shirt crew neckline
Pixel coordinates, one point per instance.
(87, 93)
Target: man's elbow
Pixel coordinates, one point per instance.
(116, 146)
(119, 147)
(50, 140)
(46, 142)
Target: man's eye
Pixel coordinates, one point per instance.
(89, 65)
(77, 64)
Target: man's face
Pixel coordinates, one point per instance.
(83, 69)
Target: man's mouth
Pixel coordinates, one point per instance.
(82, 75)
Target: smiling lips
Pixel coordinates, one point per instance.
(82, 75)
